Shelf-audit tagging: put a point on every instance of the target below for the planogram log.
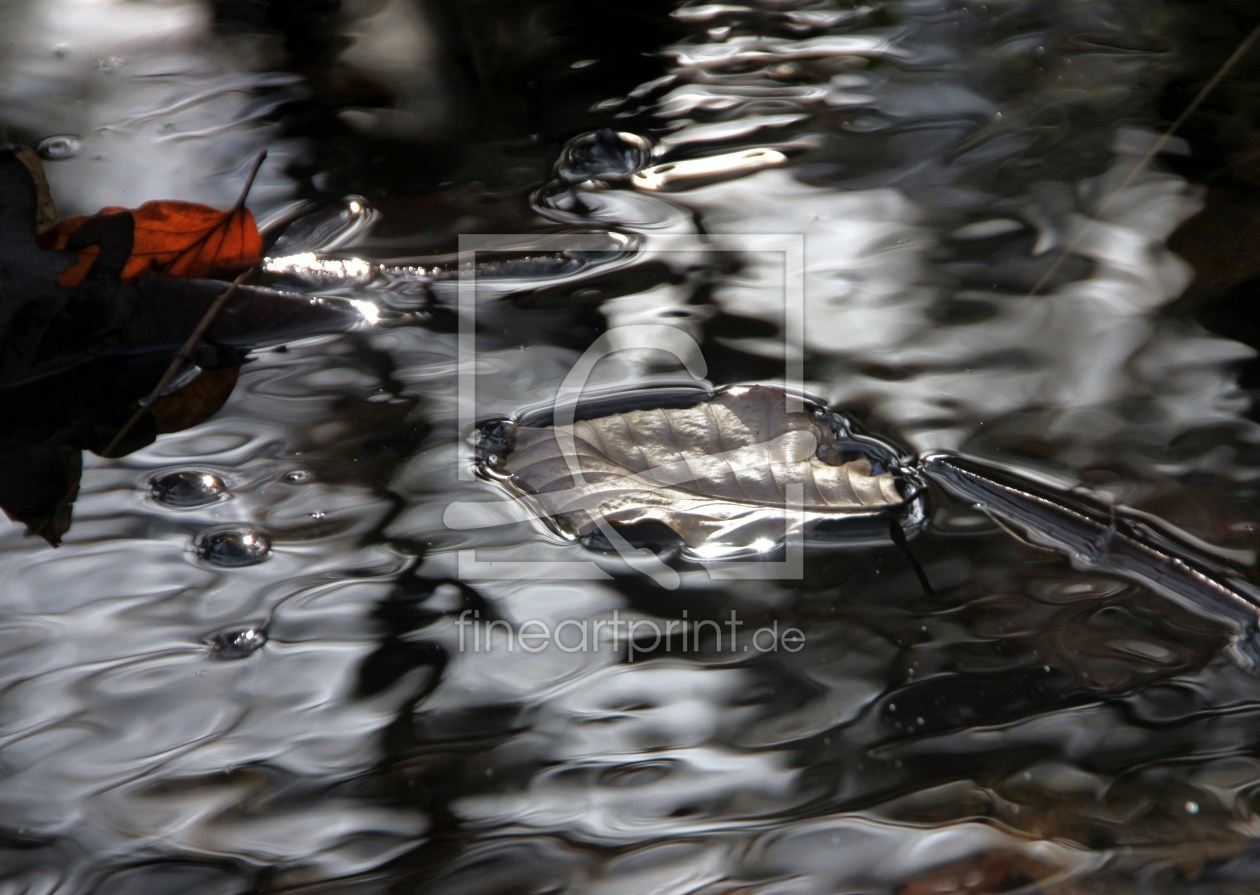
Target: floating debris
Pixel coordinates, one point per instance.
(237, 643)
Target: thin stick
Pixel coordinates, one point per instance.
(183, 356)
(898, 536)
(1145, 160)
(249, 181)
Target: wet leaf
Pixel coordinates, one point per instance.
(47, 326)
(49, 422)
(740, 470)
(196, 402)
(38, 486)
(76, 360)
(179, 239)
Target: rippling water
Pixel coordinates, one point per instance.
(245, 670)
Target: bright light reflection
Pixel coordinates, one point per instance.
(712, 551)
(729, 164)
(310, 264)
(371, 313)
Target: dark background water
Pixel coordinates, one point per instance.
(1029, 724)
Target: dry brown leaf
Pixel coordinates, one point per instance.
(736, 470)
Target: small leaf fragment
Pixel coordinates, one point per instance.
(45, 207)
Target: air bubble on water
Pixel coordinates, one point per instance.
(188, 488)
(603, 155)
(59, 146)
(232, 546)
(237, 643)
(1192, 807)
(298, 476)
(306, 239)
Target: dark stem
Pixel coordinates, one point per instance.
(183, 356)
(898, 535)
(249, 181)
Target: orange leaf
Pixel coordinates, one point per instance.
(180, 239)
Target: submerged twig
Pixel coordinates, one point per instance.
(183, 356)
(898, 536)
(1110, 540)
(1156, 148)
(249, 180)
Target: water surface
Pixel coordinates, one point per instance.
(273, 691)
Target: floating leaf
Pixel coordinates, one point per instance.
(76, 359)
(739, 471)
(180, 239)
(47, 326)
